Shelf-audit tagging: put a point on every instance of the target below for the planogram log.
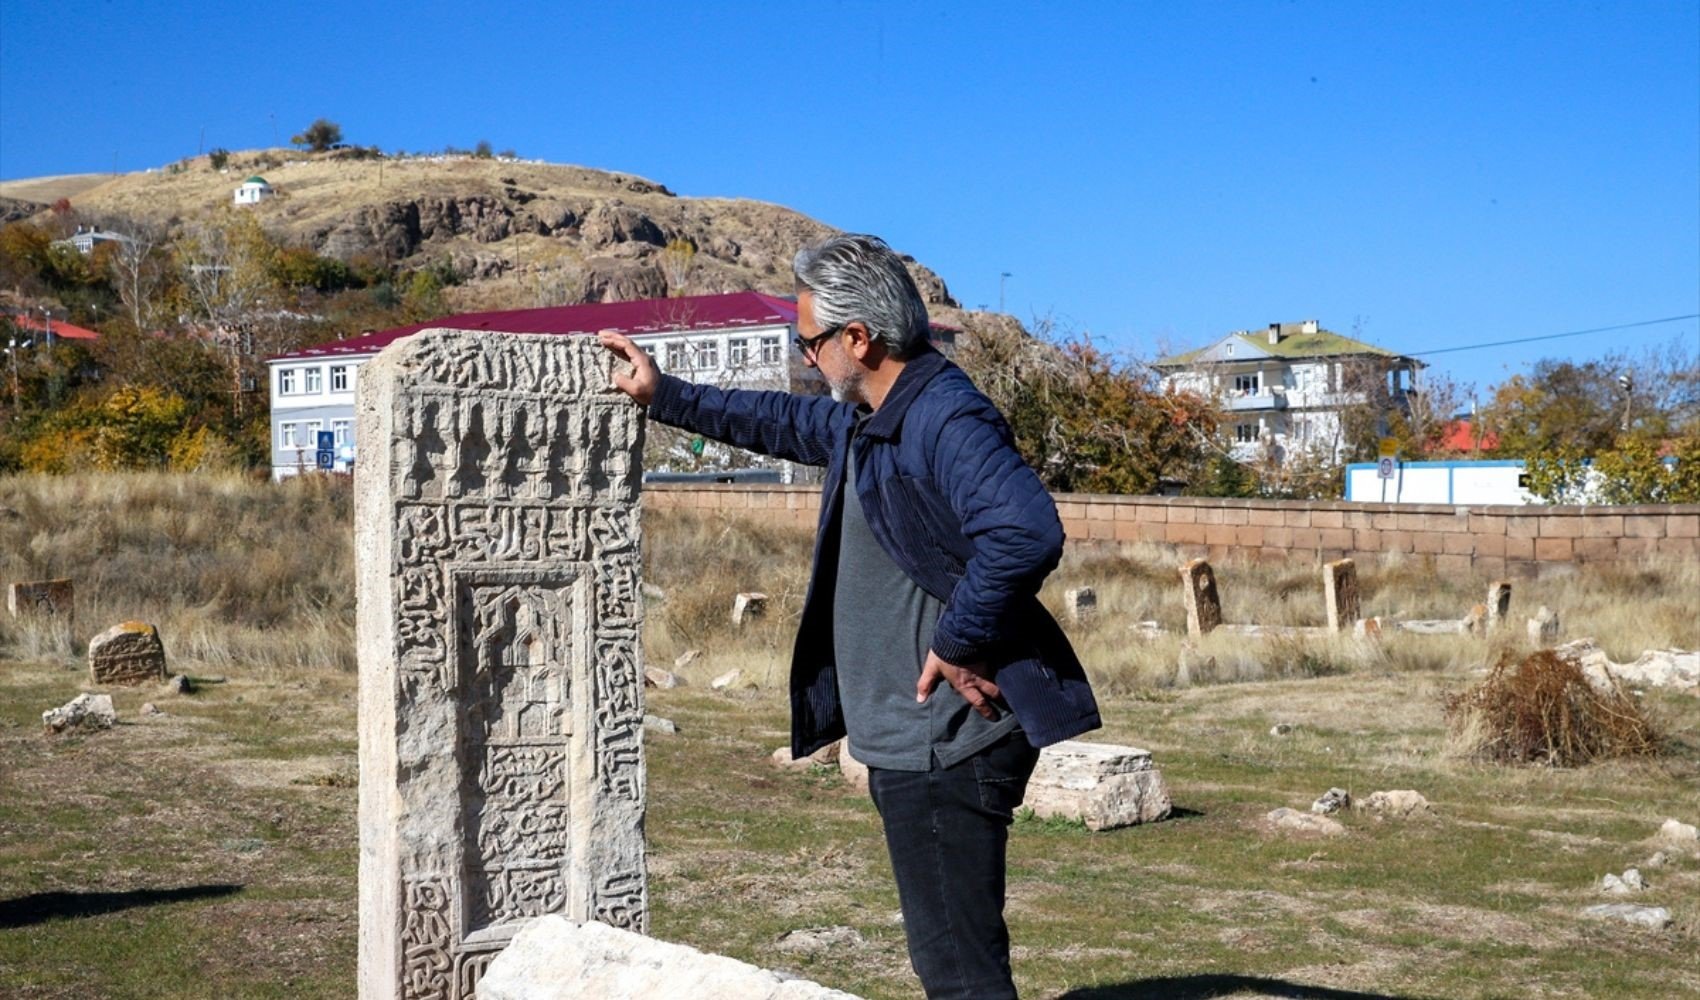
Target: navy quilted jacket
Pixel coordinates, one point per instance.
(950, 500)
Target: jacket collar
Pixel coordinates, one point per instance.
(916, 373)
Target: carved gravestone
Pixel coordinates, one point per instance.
(45, 598)
(1203, 604)
(501, 688)
(127, 653)
(1341, 602)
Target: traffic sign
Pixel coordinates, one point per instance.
(1384, 469)
(327, 441)
(327, 460)
(1389, 447)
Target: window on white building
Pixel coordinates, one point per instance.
(708, 354)
(1248, 385)
(288, 381)
(286, 435)
(772, 351)
(737, 352)
(311, 438)
(339, 378)
(1245, 433)
(678, 358)
(315, 379)
(344, 431)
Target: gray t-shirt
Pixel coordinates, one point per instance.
(882, 628)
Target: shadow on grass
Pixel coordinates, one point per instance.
(40, 907)
(1210, 986)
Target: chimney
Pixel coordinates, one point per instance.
(1274, 333)
(1310, 326)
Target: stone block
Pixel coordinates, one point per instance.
(1498, 604)
(1554, 549)
(1236, 516)
(1336, 538)
(1517, 547)
(747, 607)
(1248, 537)
(1602, 525)
(1100, 784)
(553, 958)
(1526, 526)
(1181, 514)
(1327, 519)
(1198, 591)
(1185, 534)
(1126, 510)
(1340, 597)
(127, 653)
(1457, 544)
(1560, 526)
(1595, 549)
(1218, 534)
(42, 598)
(85, 711)
(1427, 543)
(1544, 628)
(1266, 517)
(1492, 545)
(1080, 603)
(1682, 526)
(501, 674)
(1101, 510)
(1209, 515)
(1298, 518)
(1644, 526)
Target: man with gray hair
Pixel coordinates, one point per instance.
(934, 539)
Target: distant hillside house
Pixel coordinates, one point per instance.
(737, 339)
(1283, 389)
(253, 191)
(85, 240)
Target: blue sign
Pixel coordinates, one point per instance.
(327, 441)
(327, 460)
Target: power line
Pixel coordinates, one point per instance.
(1553, 336)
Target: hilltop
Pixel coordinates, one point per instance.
(515, 233)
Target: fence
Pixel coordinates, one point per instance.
(1490, 539)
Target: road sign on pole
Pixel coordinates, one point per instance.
(1389, 447)
(1384, 469)
(327, 450)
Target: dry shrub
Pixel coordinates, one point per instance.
(1543, 710)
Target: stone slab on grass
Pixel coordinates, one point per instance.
(127, 653)
(553, 958)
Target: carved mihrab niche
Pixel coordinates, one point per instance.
(501, 740)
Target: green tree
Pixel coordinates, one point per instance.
(319, 136)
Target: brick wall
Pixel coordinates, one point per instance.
(1487, 539)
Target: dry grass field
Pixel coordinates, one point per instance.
(209, 851)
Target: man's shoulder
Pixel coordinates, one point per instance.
(951, 394)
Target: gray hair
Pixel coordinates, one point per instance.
(858, 278)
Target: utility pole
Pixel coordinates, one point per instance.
(1002, 277)
(1626, 382)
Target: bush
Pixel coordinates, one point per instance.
(1543, 710)
(319, 136)
(219, 158)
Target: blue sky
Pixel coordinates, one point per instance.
(1433, 174)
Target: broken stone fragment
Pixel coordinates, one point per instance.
(726, 680)
(686, 658)
(809, 940)
(655, 677)
(179, 684)
(1655, 918)
(1399, 804)
(1332, 801)
(1081, 603)
(553, 958)
(1103, 785)
(1304, 823)
(825, 756)
(656, 724)
(1622, 885)
(85, 711)
(748, 606)
(1543, 628)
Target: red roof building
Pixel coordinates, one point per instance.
(59, 328)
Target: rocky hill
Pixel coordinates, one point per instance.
(516, 233)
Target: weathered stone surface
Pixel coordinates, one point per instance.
(826, 756)
(553, 958)
(655, 677)
(726, 680)
(747, 607)
(1655, 918)
(85, 711)
(1664, 668)
(1102, 785)
(1331, 801)
(43, 598)
(1293, 821)
(1499, 604)
(1203, 604)
(501, 683)
(1081, 603)
(1675, 833)
(855, 772)
(686, 658)
(656, 724)
(179, 684)
(813, 940)
(1399, 803)
(1543, 628)
(127, 653)
(1622, 885)
(1340, 595)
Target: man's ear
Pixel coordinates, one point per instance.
(862, 344)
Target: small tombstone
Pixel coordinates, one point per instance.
(1102, 785)
(1081, 602)
(1498, 603)
(1340, 594)
(129, 653)
(1203, 604)
(686, 658)
(726, 679)
(47, 598)
(748, 606)
(1543, 628)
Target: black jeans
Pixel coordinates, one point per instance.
(947, 830)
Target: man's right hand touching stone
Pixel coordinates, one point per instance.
(640, 383)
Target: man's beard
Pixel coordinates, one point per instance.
(846, 390)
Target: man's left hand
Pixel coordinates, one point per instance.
(969, 679)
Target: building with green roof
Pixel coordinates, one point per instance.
(1283, 388)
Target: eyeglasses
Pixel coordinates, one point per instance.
(808, 347)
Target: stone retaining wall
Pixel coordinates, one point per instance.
(1488, 539)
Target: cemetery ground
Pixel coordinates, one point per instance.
(209, 851)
